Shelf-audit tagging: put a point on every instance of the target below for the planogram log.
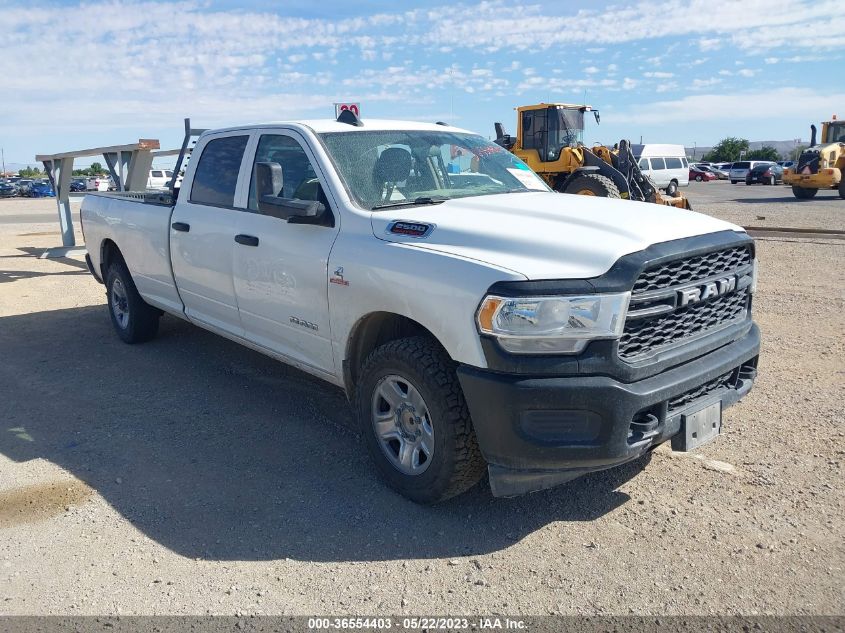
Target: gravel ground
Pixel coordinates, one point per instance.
(190, 475)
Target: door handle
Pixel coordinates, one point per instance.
(181, 226)
(246, 240)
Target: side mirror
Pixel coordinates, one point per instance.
(269, 181)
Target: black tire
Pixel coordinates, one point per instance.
(773, 180)
(842, 187)
(733, 182)
(804, 194)
(456, 464)
(593, 185)
(672, 189)
(698, 179)
(141, 319)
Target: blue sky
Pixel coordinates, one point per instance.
(88, 74)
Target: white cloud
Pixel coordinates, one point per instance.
(705, 83)
(591, 70)
(709, 43)
(778, 103)
(659, 75)
(629, 84)
(746, 72)
(771, 60)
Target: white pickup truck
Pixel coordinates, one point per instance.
(475, 318)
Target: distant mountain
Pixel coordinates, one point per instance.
(783, 147)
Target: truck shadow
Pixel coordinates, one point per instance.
(220, 453)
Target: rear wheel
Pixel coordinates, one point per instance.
(133, 319)
(672, 189)
(733, 182)
(415, 421)
(698, 179)
(803, 194)
(842, 187)
(593, 185)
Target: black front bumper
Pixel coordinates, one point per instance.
(537, 432)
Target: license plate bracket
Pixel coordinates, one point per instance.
(699, 427)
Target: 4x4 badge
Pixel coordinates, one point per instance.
(337, 277)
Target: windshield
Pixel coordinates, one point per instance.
(835, 132)
(391, 168)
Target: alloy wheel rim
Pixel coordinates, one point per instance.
(119, 303)
(402, 425)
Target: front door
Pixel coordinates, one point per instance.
(202, 234)
(281, 277)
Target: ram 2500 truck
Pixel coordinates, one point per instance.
(476, 319)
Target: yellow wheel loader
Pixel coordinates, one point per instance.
(549, 139)
(822, 165)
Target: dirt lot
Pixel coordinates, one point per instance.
(190, 475)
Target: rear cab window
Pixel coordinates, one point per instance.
(216, 176)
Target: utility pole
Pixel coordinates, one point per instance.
(3, 154)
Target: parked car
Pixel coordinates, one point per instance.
(700, 175)
(97, 183)
(786, 164)
(741, 168)
(8, 190)
(23, 186)
(766, 174)
(718, 173)
(78, 184)
(665, 164)
(725, 167)
(496, 326)
(41, 189)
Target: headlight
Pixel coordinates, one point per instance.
(552, 325)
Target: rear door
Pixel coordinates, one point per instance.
(281, 268)
(203, 229)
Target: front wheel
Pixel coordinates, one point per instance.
(842, 188)
(804, 194)
(733, 182)
(698, 179)
(593, 185)
(415, 421)
(133, 319)
(672, 189)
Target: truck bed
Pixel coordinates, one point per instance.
(138, 221)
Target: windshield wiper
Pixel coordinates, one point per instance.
(410, 203)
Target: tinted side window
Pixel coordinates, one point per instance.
(673, 163)
(644, 163)
(156, 174)
(741, 165)
(299, 180)
(217, 172)
(658, 163)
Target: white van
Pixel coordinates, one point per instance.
(665, 164)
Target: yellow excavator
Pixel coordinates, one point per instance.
(550, 140)
(822, 165)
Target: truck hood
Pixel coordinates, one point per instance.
(543, 235)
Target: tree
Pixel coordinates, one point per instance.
(767, 152)
(96, 168)
(726, 150)
(30, 172)
(795, 153)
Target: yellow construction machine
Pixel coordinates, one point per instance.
(550, 140)
(822, 165)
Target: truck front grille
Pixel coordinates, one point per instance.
(727, 380)
(657, 318)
